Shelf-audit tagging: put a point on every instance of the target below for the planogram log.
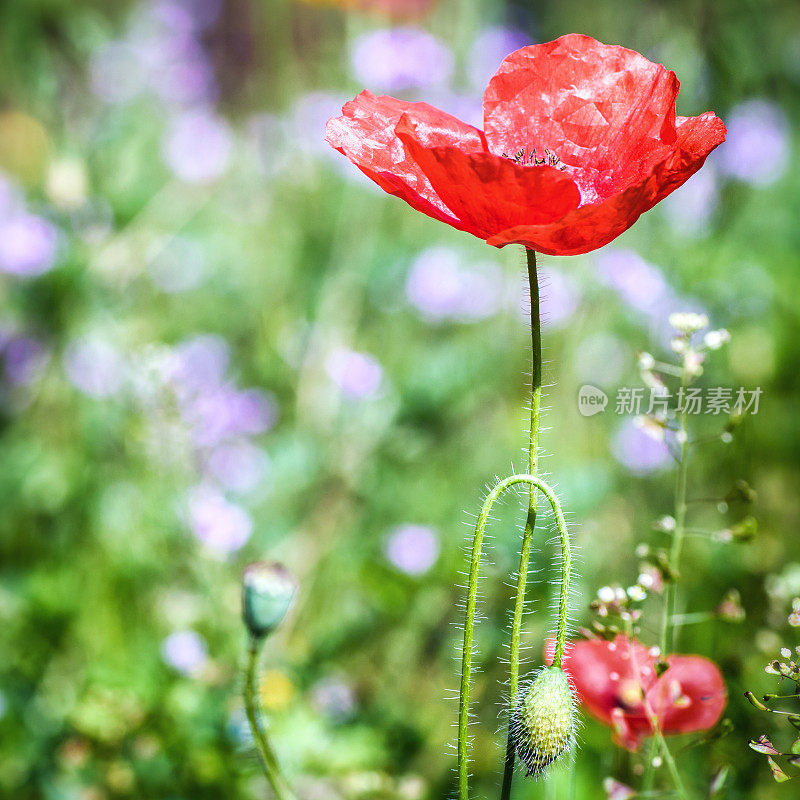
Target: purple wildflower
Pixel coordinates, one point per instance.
(639, 449)
(94, 366)
(222, 526)
(200, 364)
(757, 147)
(396, 59)
(640, 284)
(358, 375)
(440, 288)
(412, 549)
(197, 146)
(238, 465)
(28, 245)
(23, 359)
(185, 651)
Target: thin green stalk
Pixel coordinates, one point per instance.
(659, 742)
(671, 765)
(269, 760)
(472, 597)
(669, 627)
(530, 519)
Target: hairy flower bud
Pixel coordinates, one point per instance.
(544, 722)
(267, 593)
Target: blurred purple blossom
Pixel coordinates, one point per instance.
(222, 526)
(28, 245)
(177, 16)
(186, 78)
(185, 651)
(197, 145)
(94, 366)
(757, 147)
(358, 375)
(161, 52)
(639, 449)
(23, 359)
(204, 13)
(440, 288)
(640, 284)
(227, 412)
(489, 49)
(238, 465)
(200, 364)
(412, 549)
(690, 208)
(334, 698)
(560, 298)
(176, 66)
(395, 59)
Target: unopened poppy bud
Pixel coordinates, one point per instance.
(267, 593)
(544, 722)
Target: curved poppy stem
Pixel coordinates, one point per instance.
(530, 519)
(269, 761)
(472, 596)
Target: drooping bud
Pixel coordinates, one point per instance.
(544, 722)
(267, 593)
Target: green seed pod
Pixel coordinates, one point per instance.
(267, 593)
(544, 721)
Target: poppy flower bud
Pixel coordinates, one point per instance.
(543, 724)
(267, 593)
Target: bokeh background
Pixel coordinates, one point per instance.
(219, 343)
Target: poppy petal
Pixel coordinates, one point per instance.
(594, 225)
(598, 106)
(365, 133)
(689, 696)
(487, 192)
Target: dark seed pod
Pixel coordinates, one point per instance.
(544, 721)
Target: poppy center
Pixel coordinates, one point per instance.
(530, 158)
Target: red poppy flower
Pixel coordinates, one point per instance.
(579, 139)
(614, 681)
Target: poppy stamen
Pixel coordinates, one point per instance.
(529, 158)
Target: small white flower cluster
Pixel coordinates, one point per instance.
(713, 340)
(789, 668)
(687, 324)
(794, 617)
(616, 600)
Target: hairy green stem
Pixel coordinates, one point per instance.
(269, 760)
(530, 518)
(472, 596)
